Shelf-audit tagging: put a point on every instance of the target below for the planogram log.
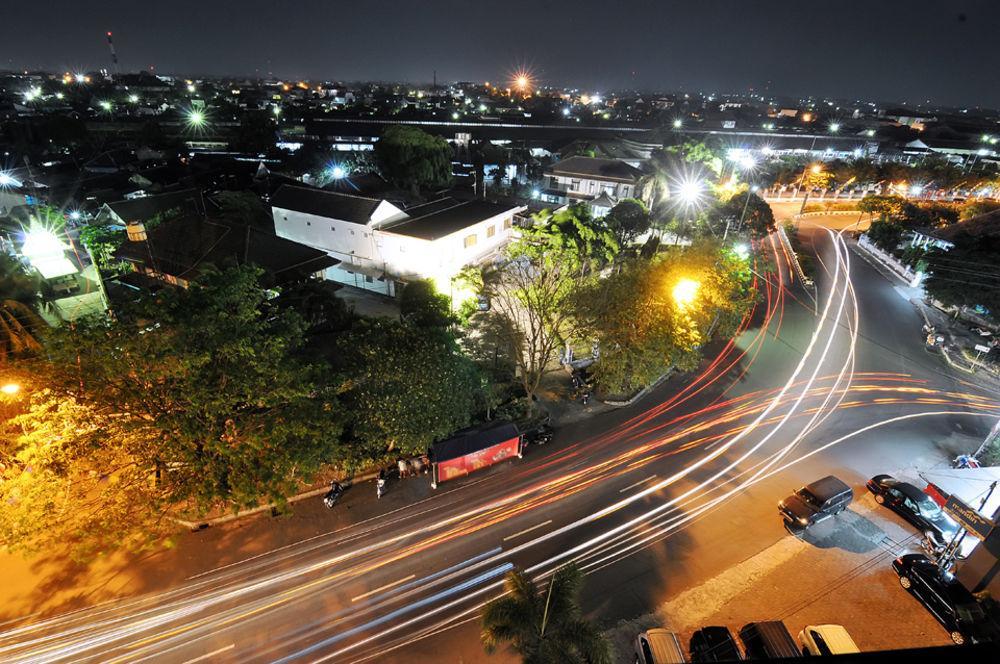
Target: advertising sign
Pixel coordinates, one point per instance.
(473, 461)
(969, 518)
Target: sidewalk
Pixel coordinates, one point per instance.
(944, 325)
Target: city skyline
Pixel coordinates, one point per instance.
(723, 47)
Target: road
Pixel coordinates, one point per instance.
(649, 500)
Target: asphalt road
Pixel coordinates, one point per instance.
(649, 500)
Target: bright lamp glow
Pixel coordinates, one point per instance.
(8, 180)
(74, 215)
(10, 388)
(105, 105)
(915, 189)
(685, 292)
(690, 191)
(196, 118)
(79, 78)
(133, 98)
(46, 252)
(338, 172)
(742, 250)
(678, 124)
(834, 127)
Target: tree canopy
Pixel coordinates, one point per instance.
(413, 159)
(966, 275)
(628, 220)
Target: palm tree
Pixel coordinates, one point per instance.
(19, 322)
(544, 626)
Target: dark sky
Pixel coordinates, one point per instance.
(945, 51)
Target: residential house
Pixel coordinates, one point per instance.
(600, 182)
(380, 244)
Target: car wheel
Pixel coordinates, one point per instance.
(958, 638)
(880, 499)
(905, 582)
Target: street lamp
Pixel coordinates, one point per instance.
(690, 191)
(10, 388)
(834, 127)
(678, 123)
(685, 291)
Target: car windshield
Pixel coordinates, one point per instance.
(928, 508)
(809, 498)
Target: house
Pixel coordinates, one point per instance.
(142, 209)
(176, 251)
(378, 243)
(578, 179)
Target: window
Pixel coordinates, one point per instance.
(365, 234)
(352, 232)
(309, 223)
(507, 223)
(333, 228)
(491, 231)
(574, 185)
(593, 187)
(470, 241)
(369, 279)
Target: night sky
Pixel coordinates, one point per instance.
(944, 51)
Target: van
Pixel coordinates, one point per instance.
(768, 640)
(826, 640)
(815, 502)
(658, 646)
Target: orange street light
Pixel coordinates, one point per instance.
(685, 292)
(10, 388)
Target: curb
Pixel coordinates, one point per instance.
(228, 518)
(641, 393)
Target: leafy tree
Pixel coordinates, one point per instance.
(883, 206)
(20, 324)
(422, 306)
(103, 240)
(966, 275)
(642, 330)
(697, 152)
(412, 159)
(316, 301)
(544, 624)
(244, 207)
(200, 390)
(589, 240)
(886, 235)
(976, 208)
(256, 133)
(756, 214)
(408, 387)
(628, 220)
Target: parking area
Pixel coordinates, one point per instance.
(836, 572)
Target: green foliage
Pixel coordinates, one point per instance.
(409, 387)
(965, 275)
(697, 152)
(413, 159)
(886, 235)
(210, 406)
(628, 220)
(103, 240)
(422, 306)
(757, 216)
(21, 327)
(642, 331)
(573, 234)
(544, 624)
(975, 208)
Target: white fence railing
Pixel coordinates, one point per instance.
(901, 270)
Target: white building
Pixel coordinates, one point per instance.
(602, 182)
(379, 244)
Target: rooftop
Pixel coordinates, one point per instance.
(447, 216)
(601, 169)
(332, 205)
(142, 209)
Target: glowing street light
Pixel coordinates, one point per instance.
(196, 119)
(8, 180)
(133, 98)
(338, 172)
(10, 388)
(454, 115)
(105, 105)
(678, 123)
(79, 78)
(685, 291)
(276, 110)
(742, 251)
(191, 88)
(690, 191)
(834, 127)
(816, 169)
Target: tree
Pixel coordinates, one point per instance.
(966, 275)
(102, 240)
(408, 387)
(641, 327)
(628, 220)
(201, 389)
(697, 152)
(422, 306)
(886, 235)
(756, 214)
(589, 240)
(20, 324)
(544, 625)
(244, 207)
(883, 206)
(413, 159)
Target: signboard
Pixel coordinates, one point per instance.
(982, 349)
(969, 518)
(468, 463)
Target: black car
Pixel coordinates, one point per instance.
(915, 506)
(814, 502)
(714, 644)
(947, 599)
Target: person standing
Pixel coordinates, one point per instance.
(380, 484)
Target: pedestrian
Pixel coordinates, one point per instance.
(417, 465)
(404, 468)
(586, 397)
(380, 484)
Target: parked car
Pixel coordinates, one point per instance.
(826, 640)
(915, 506)
(714, 644)
(815, 502)
(947, 599)
(768, 640)
(658, 646)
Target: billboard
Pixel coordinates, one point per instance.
(473, 461)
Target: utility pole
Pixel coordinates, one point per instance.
(114, 56)
(948, 557)
(992, 438)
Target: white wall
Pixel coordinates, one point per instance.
(591, 187)
(343, 240)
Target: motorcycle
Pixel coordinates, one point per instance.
(333, 495)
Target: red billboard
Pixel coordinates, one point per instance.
(472, 461)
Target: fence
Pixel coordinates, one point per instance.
(904, 272)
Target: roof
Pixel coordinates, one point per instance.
(332, 205)
(441, 218)
(472, 440)
(142, 209)
(181, 247)
(827, 487)
(599, 169)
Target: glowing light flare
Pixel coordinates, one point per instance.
(685, 291)
(10, 388)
